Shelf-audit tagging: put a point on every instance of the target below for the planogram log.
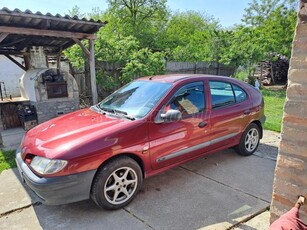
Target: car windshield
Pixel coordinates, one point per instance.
(135, 99)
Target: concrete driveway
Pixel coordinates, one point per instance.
(215, 192)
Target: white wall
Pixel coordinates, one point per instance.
(10, 74)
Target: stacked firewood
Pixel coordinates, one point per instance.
(273, 72)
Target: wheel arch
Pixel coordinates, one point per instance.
(138, 160)
(258, 123)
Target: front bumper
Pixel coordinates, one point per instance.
(57, 190)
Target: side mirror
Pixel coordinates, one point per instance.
(171, 115)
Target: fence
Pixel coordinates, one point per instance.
(213, 68)
(114, 69)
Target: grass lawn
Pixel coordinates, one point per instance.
(274, 100)
(7, 159)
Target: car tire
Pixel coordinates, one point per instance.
(249, 141)
(117, 183)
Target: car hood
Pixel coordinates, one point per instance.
(69, 132)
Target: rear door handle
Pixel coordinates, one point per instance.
(202, 124)
(247, 112)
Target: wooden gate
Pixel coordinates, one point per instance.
(9, 116)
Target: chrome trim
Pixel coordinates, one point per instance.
(196, 147)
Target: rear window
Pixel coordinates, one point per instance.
(225, 93)
(239, 93)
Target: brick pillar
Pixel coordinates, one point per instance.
(291, 170)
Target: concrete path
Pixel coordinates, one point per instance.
(215, 192)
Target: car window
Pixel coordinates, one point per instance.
(189, 99)
(239, 93)
(221, 94)
(225, 93)
(135, 99)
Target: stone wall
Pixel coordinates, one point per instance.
(51, 108)
(54, 108)
(291, 171)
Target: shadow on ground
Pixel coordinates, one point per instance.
(216, 190)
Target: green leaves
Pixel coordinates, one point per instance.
(269, 28)
(142, 19)
(188, 37)
(142, 34)
(143, 63)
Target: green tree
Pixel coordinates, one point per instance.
(126, 55)
(258, 11)
(143, 63)
(187, 37)
(268, 28)
(143, 19)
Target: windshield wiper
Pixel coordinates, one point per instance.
(129, 117)
(124, 113)
(117, 112)
(120, 111)
(106, 109)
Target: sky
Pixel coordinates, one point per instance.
(228, 12)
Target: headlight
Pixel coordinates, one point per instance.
(44, 165)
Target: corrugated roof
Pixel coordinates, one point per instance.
(55, 32)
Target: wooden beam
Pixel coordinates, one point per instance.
(93, 72)
(12, 52)
(48, 33)
(85, 50)
(3, 36)
(26, 58)
(16, 62)
(13, 43)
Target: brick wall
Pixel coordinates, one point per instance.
(291, 171)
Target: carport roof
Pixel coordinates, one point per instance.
(19, 31)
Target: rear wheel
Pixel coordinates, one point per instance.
(249, 141)
(117, 183)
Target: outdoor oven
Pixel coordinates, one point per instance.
(52, 92)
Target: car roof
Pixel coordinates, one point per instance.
(172, 78)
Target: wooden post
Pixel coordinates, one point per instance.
(93, 71)
(26, 58)
(58, 59)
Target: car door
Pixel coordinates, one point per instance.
(230, 112)
(172, 142)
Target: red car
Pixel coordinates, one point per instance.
(146, 127)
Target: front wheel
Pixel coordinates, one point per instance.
(249, 141)
(117, 183)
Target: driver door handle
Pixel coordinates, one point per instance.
(202, 124)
